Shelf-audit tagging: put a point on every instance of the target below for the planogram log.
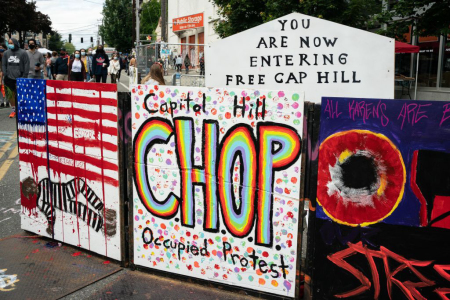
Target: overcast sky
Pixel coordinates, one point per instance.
(78, 17)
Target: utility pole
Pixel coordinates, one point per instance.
(163, 20)
(134, 21)
(137, 24)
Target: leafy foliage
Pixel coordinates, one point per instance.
(70, 48)
(117, 25)
(21, 16)
(240, 15)
(55, 42)
(150, 14)
(431, 18)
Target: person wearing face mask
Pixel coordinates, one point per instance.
(77, 70)
(86, 61)
(62, 66)
(36, 61)
(53, 60)
(15, 65)
(114, 68)
(100, 64)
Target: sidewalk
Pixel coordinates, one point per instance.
(34, 267)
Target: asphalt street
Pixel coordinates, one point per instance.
(9, 176)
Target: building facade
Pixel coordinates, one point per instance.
(191, 22)
(41, 40)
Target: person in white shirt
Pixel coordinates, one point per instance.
(114, 68)
(155, 76)
(76, 70)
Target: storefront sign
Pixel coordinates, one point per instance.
(299, 52)
(188, 22)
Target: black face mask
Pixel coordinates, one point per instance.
(32, 46)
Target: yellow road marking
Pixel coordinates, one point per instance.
(6, 146)
(5, 167)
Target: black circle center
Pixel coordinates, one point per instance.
(359, 172)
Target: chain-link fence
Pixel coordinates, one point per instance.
(173, 59)
(188, 80)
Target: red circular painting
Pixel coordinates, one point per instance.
(361, 177)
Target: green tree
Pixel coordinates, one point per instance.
(21, 16)
(431, 18)
(117, 24)
(150, 14)
(240, 15)
(70, 48)
(55, 42)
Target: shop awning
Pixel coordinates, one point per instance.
(405, 48)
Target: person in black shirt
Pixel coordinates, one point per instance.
(100, 64)
(62, 66)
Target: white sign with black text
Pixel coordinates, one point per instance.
(299, 52)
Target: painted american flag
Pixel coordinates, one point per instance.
(68, 143)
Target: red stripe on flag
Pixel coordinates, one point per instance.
(59, 152)
(82, 99)
(83, 113)
(56, 166)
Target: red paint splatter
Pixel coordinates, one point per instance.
(35, 251)
(289, 243)
(290, 215)
(106, 262)
(265, 254)
(216, 266)
(77, 253)
(190, 268)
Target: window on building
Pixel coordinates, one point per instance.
(446, 66)
(428, 64)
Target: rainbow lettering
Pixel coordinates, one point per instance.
(239, 142)
(153, 131)
(279, 148)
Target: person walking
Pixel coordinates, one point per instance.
(62, 66)
(15, 64)
(122, 66)
(53, 60)
(202, 65)
(36, 59)
(48, 65)
(77, 70)
(179, 62)
(126, 60)
(3, 102)
(85, 60)
(100, 64)
(187, 63)
(114, 68)
(155, 76)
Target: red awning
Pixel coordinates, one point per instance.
(405, 48)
